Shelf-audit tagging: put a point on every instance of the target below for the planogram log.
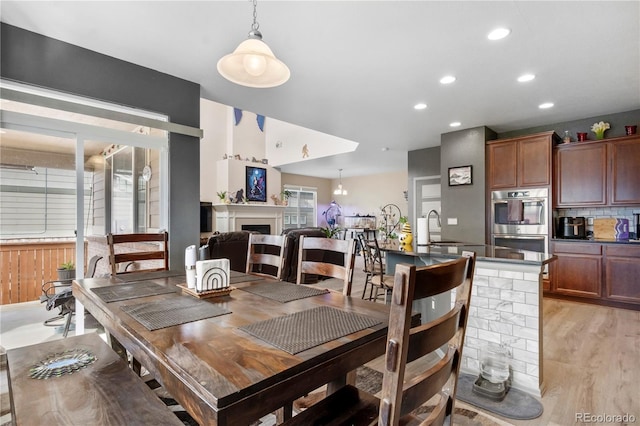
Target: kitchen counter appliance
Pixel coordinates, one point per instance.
(571, 227)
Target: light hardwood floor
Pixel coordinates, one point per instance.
(591, 355)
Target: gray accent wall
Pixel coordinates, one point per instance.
(421, 162)
(466, 203)
(31, 58)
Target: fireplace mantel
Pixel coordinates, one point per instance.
(231, 217)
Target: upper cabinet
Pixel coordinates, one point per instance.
(520, 162)
(625, 171)
(598, 173)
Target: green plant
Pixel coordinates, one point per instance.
(286, 194)
(403, 220)
(69, 265)
(222, 195)
(331, 232)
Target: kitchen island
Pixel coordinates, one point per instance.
(506, 304)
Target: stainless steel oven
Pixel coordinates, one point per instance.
(519, 219)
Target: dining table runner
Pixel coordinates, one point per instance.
(283, 291)
(174, 311)
(304, 330)
(116, 293)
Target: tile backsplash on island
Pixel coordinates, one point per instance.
(602, 212)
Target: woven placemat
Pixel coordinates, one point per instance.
(307, 329)
(115, 293)
(239, 277)
(284, 292)
(174, 311)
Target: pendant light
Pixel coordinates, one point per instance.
(340, 190)
(253, 64)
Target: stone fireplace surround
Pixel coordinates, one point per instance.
(231, 217)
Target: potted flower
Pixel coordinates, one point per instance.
(66, 271)
(599, 129)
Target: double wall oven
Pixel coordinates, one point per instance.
(519, 219)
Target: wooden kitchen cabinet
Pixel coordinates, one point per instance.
(625, 171)
(622, 272)
(577, 270)
(597, 173)
(580, 174)
(522, 162)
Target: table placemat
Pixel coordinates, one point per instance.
(284, 292)
(116, 293)
(239, 277)
(307, 329)
(174, 311)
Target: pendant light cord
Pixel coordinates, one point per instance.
(255, 25)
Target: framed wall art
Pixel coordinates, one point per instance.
(256, 184)
(460, 176)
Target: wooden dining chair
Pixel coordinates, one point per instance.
(141, 250)
(265, 255)
(408, 349)
(314, 257)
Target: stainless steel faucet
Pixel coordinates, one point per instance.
(429, 224)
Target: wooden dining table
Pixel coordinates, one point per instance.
(219, 371)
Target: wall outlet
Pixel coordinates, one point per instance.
(590, 221)
(452, 221)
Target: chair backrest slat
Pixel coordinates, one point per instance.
(266, 250)
(126, 241)
(400, 396)
(344, 248)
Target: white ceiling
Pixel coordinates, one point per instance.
(357, 68)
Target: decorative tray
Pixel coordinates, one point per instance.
(207, 293)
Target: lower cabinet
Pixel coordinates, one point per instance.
(598, 272)
(578, 269)
(622, 273)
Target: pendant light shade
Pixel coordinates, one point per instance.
(253, 64)
(340, 189)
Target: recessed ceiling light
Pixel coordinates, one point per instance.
(447, 79)
(526, 77)
(499, 33)
(455, 124)
(545, 105)
(420, 106)
(385, 149)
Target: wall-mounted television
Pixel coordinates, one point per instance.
(256, 184)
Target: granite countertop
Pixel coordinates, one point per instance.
(483, 252)
(595, 240)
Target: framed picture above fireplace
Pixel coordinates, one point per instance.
(256, 184)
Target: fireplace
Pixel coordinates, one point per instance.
(235, 217)
(263, 229)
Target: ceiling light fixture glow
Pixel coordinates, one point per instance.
(420, 106)
(340, 189)
(253, 64)
(455, 124)
(526, 77)
(447, 79)
(498, 33)
(545, 105)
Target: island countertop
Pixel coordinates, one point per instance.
(483, 252)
